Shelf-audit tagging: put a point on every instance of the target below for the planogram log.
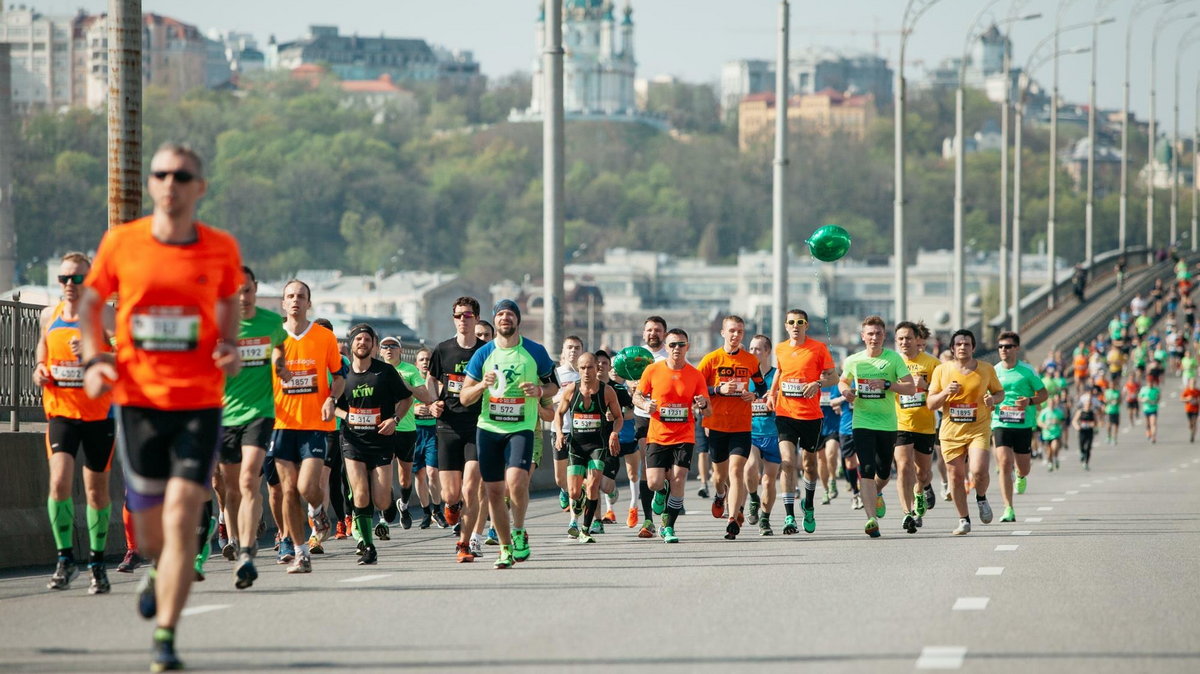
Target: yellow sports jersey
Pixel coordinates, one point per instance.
(965, 417)
(911, 413)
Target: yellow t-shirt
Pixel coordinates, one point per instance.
(965, 417)
(911, 413)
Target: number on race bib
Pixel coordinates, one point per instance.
(913, 401)
(67, 374)
(304, 381)
(506, 409)
(165, 328)
(454, 383)
(792, 388)
(584, 423)
(1012, 414)
(361, 419)
(963, 413)
(869, 389)
(673, 414)
(254, 351)
(758, 408)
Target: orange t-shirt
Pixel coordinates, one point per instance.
(796, 366)
(312, 357)
(674, 391)
(1191, 400)
(64, 396)
(730, 414)
(1081, 366)
(167, 313)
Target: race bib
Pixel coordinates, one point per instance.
(585, 423)
(304, 381)
(792, 388)
(67, 374)
(1086, 425)
(737, 386)
(361, 419)
(869, 389)
(165, 328)
(913, 401)
(673, 414)
(758, 408)
(254, 351)
(454, 383)
(506, 409)
(422, 412)
(963, 413)
(825, 398)
(1012, 414)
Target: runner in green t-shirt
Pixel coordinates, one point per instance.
(1051, 420)
(1149, 397)
(406, 428)
(1013, 420)
(1112, 410)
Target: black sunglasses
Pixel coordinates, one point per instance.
(676, 345)
(180, 176)
(77, 279)
(465, 314)
(1006, 346)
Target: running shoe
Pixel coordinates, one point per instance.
(64, 572)
(147, 602)
(632, 520)
(573, 529)
(451, 513)
(1009, 515)
(321, 525)
(491, 538)
(964, 527)
(585, 537)
(245, 574)
(577, 506)
(731, 530)
(833, 492)
(702, 492)
(810, 520)
(1021, 484)
(919, 521)
(856, 502)
(405, 515)
(668, 535)
(520, 549)
(439, 518)
(369, 556)
(100, 584)
(647, 530)
(610, 517)
(314, 545)
(946, 496)
(287, 552)
(340, 532)
(463, 553)
(132, 561)
(789, 525)
(426, 521)
(880, 506)
(506, 560)
(826, 498)
(222, 536)
(382, 532)
(752, 518)
(930, 497)
(360, 547)
(164, 658)
(718, 507)
(302, 564)
(909, 524)
(659, 502)
(764, 526)
(475, 546)
(985, 511)
(596, 528)
(229, 550)
(872, 528)
(564, 501)
(919, 503)
(457, 528)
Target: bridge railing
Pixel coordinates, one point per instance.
(19, 333)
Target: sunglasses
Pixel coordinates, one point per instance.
(465, 314)
(389, 346)
(1006, 346)
(676, 345)
(180, 176)
(77, 279)
(797, 321)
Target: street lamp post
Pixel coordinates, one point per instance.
(1164, 21)
(553, 160)
(1195, 160)
(1089, 208)
(1185, 41)
(779, 216)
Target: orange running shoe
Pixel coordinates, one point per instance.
(647, 530)
(718, 507)
(610, 517)
(452, 513)
(632, 520)
(463, 552)
(741, 518)
(341, 530)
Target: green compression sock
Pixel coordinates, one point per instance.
(97, 521)
(62, 522)
(362, 520)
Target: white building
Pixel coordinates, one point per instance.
(44, 55)
(743, 77)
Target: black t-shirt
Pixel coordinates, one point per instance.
(448, 365)
(369, 398)
(624, 399)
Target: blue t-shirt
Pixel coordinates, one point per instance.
(847, 426)
(762, 420)
(506, 408)
(831, 422)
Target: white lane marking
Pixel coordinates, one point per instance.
(1183, 465)
(1174, 470)
(1021, 533)
(1045, 509)
(1034, 520)
(365, 579)
(971, 603)
(1006, 548)
(1057, 500)
(1085, 485)
(197, 610)
(1073, 492)
(989, 571)
(942, 657)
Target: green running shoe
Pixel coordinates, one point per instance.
(520, 547)
(919, 498)
(597, 527)
(668, 535)
(585, 537)
(752, 517)
(659, 504)
(810, 521)
(1009, 515)
(573, 529)
(563, 500)
(872, 528)
(1020, 485)
(789, 525)
(506, 559)
(880, 506)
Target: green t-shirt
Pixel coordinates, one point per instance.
(1188, 365)
(1139, 356)
(1149, 396)
(1051, 420)
(1112, 401)
(1116, 330)
(412, 378)
(506, 409)
(1019, 381)
(248, 396)
(1142, 324)
(874, 405)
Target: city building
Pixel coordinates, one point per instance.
(825, 113)
(241, 51)
(1075, 161)
(352, 57)
(742, 78)
(46, 55)
(986, 139)
(810, 72)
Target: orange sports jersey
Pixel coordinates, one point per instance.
(730, 414)
(311, 357)
(796, 366)
(674, 392)
(1191, 400)
(167, 313)
(64, 396)
(1081, 365)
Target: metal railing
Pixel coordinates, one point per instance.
(20, 329)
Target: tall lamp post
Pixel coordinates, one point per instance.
(1164, 21)
(1089, 208)
(779, 196)
(1185, 41)
(1195, 187)
(912, 12)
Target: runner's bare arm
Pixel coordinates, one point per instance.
(41, 373)
(905, 386)
(228, 319)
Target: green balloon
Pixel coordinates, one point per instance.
(829, 243)
(631, 361)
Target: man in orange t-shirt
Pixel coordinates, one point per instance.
(1191, 406)
(176, 282)
(729, 373)
(674, 394)
(310, 381)
(804, 367)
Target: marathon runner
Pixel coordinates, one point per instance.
(654, 328)
(916, 425)
(674, 394)
(1051, 420)
(514, 373)
(405, 437)
(309, 382)
(1190, 396)
(176, 281)
(1149, 397)
(1084, 423)
(371, 404)
(805, 366)
(870, 380)
(74, 421)
(567, 372)
(966, 389)
(425, 456)
(728, 373)
(1013, 420)
(764, 437)
(625, 439)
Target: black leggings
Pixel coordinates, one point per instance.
(338, 486)
(876, 451)
(1085, 443)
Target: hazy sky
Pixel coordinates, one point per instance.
(692, 38)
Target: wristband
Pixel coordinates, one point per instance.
(93, 361)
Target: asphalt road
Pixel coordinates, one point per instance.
(1100, 573)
